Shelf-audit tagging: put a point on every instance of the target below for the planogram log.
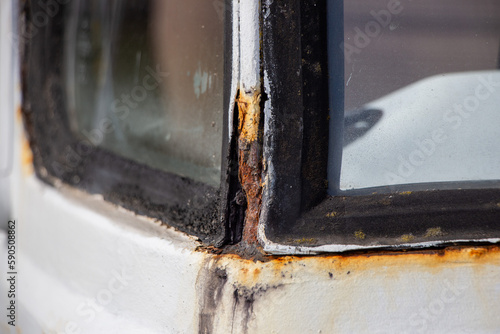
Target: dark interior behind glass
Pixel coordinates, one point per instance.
(145, 80)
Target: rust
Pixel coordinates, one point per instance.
(249, 272)
(230, 287)
(431, 258)
(407, 237)
(19, 114)
(433, 232)
(359, 234)
(250, 160)
(26, 157)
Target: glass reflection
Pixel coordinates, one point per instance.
(145, 81)
(421, 93)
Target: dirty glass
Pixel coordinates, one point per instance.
(145, 80)
(415, 93)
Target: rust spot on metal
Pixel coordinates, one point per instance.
(19, 114)
(332, 214)
(429, 260)
(433, 232)
(249, 115)
(304, 241)
(407, 237)
(359, 234)
(477, 252)
(426, 260)
(250, 160)
(26, 157)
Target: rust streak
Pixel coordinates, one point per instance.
(248, 272)
(26, 157)
(19, 114)
(250, 160)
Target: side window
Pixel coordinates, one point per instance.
(419, 94)
(408, 122)
(145, 80)
(126, 99)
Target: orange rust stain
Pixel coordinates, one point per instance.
(392, 264)
(19, 114)
(26, 157)
(249, 116)
(250, 161)
(477, 252)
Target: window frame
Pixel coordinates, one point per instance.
(59, 156)
(299, 217)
